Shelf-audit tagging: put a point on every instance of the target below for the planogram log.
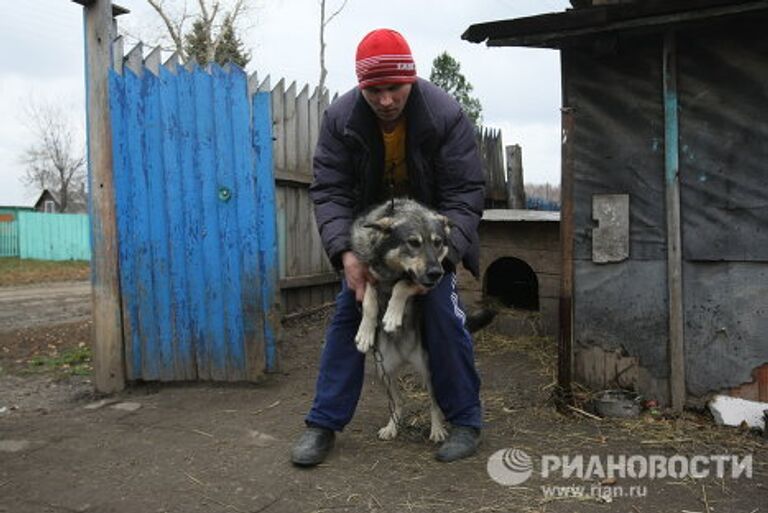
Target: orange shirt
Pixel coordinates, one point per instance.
(395, 168)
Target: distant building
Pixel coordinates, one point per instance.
(49, 202)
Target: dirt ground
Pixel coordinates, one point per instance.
(47, 304)
(224, 448)
(22, 271)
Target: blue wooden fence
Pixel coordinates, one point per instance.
(53, 236)
(195, 213)
(9, 239)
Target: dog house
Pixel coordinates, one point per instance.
(520, 270)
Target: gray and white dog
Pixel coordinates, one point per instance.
(403, 243)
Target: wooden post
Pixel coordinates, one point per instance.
(107, 335)
(565, 332)
(515, 182)
(674, 251)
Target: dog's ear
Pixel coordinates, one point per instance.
(383, 225)
(447, 223)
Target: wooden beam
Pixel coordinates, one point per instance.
(292, 179)
(565, 332)
(107, 335)
(308, 280)
(674, 250)
(515, 182)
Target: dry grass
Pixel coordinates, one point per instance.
(16, 271)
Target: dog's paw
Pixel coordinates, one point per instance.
(438, 433)
(392, 321)
(364, 340)
(388, 432)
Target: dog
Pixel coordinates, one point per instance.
(404, 244)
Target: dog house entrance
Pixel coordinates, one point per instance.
(513, 283)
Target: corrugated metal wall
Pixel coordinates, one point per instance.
(196, 222)
(9, 239)
(54, 236)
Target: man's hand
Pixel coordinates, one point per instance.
(421, 290)
(356, 274)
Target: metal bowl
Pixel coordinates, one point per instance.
(617, 403)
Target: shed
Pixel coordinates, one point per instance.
(665, 193)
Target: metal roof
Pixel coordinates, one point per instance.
(555, 30)
(520, 215)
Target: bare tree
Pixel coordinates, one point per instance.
(324, 23)
(213, 22)
(55, 161)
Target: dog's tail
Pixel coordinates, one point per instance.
(479, 319)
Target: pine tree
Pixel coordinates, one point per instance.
(446, 73)
(201, 45)
(231, 48)
(197, 42)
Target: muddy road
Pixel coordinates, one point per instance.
(30, 306)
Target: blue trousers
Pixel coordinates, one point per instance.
(451, 360)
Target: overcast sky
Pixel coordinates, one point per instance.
(519, 88)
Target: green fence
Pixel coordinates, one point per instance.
(9, 239)
(54, 236)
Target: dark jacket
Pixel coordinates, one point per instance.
(444, 168)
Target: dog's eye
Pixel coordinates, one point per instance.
(414, 243)
(438, 243)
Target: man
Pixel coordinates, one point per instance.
(395, 135)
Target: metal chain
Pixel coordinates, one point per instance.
(385, 378)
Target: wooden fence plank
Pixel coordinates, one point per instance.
(160, 364)
(291, 129)
(181, 362)
(211, 352)
(191, 193)
(314, 123)
(281, 230)
(229, 85)
(303, 151)
(295, 243)
(266, 218)
(278, 126)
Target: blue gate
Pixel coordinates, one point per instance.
(195, 214)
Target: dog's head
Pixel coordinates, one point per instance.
(413, 243)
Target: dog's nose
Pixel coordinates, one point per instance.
(434, 275)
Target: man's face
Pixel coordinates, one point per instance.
(387, 101)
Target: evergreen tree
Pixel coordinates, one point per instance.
(197, 42)
(446, 73)
(230, 47)
(226, 47)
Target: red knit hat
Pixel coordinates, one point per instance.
(384, 57)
